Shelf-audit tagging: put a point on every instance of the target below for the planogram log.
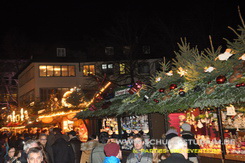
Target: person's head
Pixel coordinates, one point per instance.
(72, 134)
(172, 130)
(30, 144)
(112, 149)
(11, 152)
(35, 155)
(138, 142)
(178, 145)
(45, 131)
(57, 131)
(160, 152)
(92, 137)
(103, 137)
(43, 139)
(186, 127)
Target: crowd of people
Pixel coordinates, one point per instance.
(55, 147)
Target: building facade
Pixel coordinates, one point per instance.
(40, 79)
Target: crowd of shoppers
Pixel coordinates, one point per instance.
(56, 147)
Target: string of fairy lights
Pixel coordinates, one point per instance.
(85, 104)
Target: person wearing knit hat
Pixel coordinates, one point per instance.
(186, 127)
(113, 153)
(191, 141)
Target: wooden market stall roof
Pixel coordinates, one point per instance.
(208, 78)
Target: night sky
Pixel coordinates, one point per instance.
(45, 22)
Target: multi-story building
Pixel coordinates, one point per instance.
(39, 79)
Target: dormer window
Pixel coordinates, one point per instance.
(126, 50)
(61, 52)
(109, 50)
(146, 49)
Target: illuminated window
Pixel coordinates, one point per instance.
(110, 66)
(56, 70)
(50, 71)
(71, 70)
(64, 71)
(88, 70)
(122, 68)
(107, 68)
(104, 66)
(43, 70)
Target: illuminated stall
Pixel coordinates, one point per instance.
(17, 120)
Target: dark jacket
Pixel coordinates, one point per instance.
(48, 147)
(62, 151)
(23, 157)
(191, 142)
(76, 145)
(176, 158)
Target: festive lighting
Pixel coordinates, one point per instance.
(58, 114)
(100, 92)
(14, 128)
(170, 73)
(84, 103)
(21, 114)
(209, 69)
(63, 101)
(13, 116)
(158, 79)
(181, 71)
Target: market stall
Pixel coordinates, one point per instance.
(203, 88)
(65, 120)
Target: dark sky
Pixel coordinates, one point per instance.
(50, 21)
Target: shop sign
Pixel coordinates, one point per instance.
(122, 92)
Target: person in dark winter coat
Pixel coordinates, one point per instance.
(172, 132)
(10, 157)
(48, 146)
(191, 142)
(76, 145)
(179, 151)
(62, 150)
